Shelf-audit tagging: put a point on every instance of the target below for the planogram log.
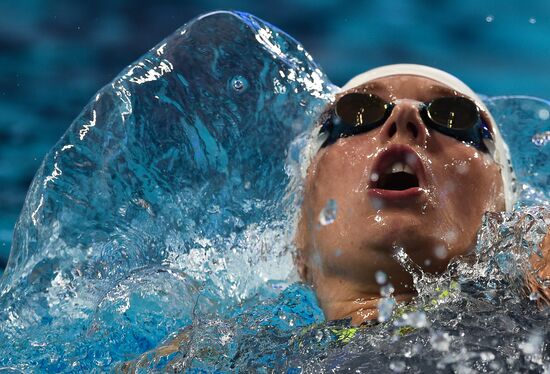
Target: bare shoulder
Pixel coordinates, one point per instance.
(538, 280)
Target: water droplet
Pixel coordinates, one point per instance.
(328, 214)
(416, 319)
(450, 236)
(239, 83)
(440, 341)
(462, 168)
(489, 18)
(398, 366)
(533, 345)
(387, 290)
(385, 309)
(440, 252)
(487, 356)
(532, 20)
(319, 335)
(541, 139)
(377, 204)
(380, 277)
(412, 350)
(374, 177)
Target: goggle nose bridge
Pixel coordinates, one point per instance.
(419, 104)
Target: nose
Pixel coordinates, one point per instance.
(405, 123)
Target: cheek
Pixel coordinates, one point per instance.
(339, 173)
(474, 184)
(333, 200)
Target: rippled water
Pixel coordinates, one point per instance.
(168, 208)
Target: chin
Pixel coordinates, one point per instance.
(413, 232)
(401, 222)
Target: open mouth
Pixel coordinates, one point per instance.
(398, 176)
(397, 169)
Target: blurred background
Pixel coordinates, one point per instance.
(54, 55)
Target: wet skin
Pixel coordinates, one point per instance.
(434, 223)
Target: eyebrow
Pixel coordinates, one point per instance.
(379, 86)
(373, 85)
(445, 90)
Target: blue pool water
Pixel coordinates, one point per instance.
(169, 205)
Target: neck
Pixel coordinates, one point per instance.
(340, 300)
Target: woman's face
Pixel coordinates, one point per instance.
(434, 223)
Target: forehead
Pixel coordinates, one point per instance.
(404, 87)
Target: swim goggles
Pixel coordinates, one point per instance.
(455, 116)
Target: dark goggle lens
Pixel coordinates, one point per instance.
(357, 109)
(457, 113)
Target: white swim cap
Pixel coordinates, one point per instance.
(499, 150)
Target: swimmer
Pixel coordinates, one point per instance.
(413, 159)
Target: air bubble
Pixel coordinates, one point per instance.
(489, 18)
(544, 114)
(328, 214)
(239, 83)
(532, 20)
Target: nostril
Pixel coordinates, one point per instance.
(413, 129)
(392, 130)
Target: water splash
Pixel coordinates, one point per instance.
(164, 211)
(166, 200)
